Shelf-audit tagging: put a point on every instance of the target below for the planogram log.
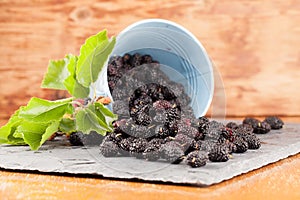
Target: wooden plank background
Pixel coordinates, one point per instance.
(254, 44)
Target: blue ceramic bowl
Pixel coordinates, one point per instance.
(182, 56)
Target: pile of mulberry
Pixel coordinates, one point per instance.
(156, 122)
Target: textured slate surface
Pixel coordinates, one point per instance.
(58, 157)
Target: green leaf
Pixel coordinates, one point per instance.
(105, 114)
(71, 84)
(56, 74)
(17, 134)
(87, 121)
(8, 131)
(35, 123)
(39, 110)
(35, 134)
(93, 55)
(52, 128)
(67, 125)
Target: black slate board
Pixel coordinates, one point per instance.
(58, 157)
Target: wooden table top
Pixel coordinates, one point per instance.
(280, 180)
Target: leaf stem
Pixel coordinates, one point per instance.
(94, 93)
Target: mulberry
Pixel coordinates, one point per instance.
(232, 125)
(76, 139)
(196, 159)
(172, 152)
(262, 128)
(253, 141)
(275, 122)
(189, 131)
(184, 141)
(228, 134)
(80, 139)
(218, 154)
(151, 153)
(108, 149)
(241, 145)
(258, 126)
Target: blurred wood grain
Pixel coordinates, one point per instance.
(254, 45)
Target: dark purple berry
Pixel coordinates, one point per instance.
(147, 59)
(189, 131)
(151, 153)
(253, 141)
(258, 126)
(126, 58)
(184, 141)
(76, 139)
(241, 145)
(275, 122)
(162, 105)
(196, 159)
(232, 125)
(228, 134)
(262, 128)
(218, 154)
(172, 152)
(108, 148)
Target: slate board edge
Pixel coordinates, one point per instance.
(288, 150)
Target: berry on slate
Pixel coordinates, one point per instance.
(202, 123)
(241, 145)
(195, 145)
(258, 126)
(123, 126)
(162, 131)
(205, 145)
(231, 147)
(80, 139)
(196, 158)
(218, 154)
(228, 134)
(172, 152)
(232, 125)
(76, 139)
(244, 128)
(141, 131)
(253, 141)
(251, 121)
(125, 145)
(108, 148)
(184, 141)
(275, 122)
(115, 137)
(262, 128)
(151, 153)
(137, 147)
(189, 131)
(214, 131)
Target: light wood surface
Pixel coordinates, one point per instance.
(253, 44)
